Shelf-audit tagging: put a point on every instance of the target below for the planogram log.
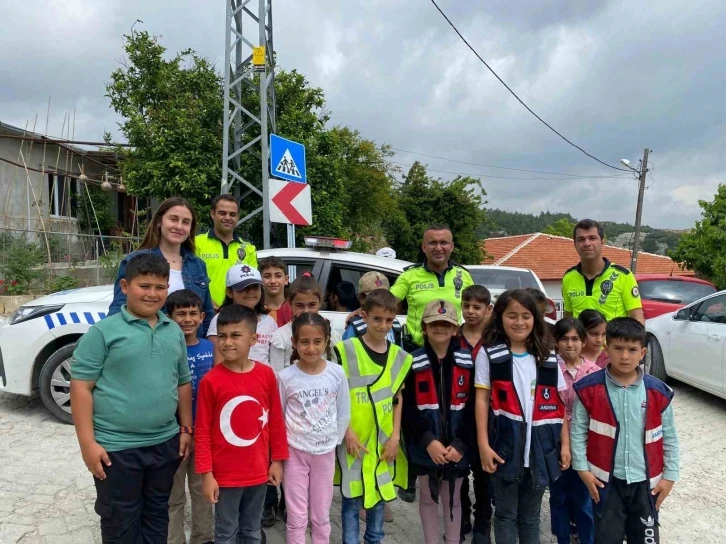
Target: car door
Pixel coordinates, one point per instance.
(336, 271)
(697, 344)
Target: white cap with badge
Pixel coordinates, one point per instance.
(241, 276)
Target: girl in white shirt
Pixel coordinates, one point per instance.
(244, 287)
(316, 407)
(304, 295)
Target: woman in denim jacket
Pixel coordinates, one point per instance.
(171, 234)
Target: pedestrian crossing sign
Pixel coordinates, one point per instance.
(287, 159)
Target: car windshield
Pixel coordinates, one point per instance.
(502, 280)
(674, 291)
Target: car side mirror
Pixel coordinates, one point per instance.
(684, 314)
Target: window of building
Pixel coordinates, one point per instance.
(62, 193)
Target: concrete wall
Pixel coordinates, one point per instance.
(23, 196)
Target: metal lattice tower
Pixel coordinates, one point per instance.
(247, 30)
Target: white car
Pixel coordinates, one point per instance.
(37, 341)
(689, 344)
(502, 278)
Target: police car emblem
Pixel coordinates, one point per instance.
(546, 393)
(241, 253)
(461, 381)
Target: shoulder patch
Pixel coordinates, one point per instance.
(411, 266)
(457, 265)
(621, 269)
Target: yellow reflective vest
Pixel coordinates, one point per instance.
(371, 418)
(220, 257)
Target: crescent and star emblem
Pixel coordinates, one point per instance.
(225, 421)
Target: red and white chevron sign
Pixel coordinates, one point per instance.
(290, 203)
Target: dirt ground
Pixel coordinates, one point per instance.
(46, 494)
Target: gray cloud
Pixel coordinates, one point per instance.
(611, 76)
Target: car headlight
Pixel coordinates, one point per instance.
(26, 313)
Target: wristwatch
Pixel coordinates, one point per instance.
(186, 430)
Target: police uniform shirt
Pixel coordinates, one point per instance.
(220, 257)
(613, 292)
(418, 285)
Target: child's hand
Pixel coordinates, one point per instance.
(210, 488)
(95, 456)
(274, 475)
(453, 455)
(353, 445)
(185, 445)
(490, 459)
(565, 457)
(592, 484)
(390, 450)
(437, 452)
(662, 490)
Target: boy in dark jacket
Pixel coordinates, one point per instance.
(438, 419)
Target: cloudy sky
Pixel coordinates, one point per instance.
(612, 76)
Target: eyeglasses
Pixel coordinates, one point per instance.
(434, 245)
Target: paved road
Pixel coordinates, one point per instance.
(46, 494)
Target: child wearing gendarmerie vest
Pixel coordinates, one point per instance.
(185, 308)
(627, 487)
(129, 382)
(240, 433)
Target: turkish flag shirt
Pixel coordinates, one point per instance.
(239, 428)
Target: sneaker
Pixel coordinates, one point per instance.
(268, 517)
(407, 495)
(387, 513)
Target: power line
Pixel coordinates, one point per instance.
(497, 167)
(502, 177)
(515, 94)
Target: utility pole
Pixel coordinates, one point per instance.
(639, 210)
(247, 31)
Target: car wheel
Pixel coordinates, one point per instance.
(654, 363)
(55, 383)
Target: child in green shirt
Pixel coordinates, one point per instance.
(130, 381)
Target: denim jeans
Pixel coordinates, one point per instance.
(351, 527)
(569, 496)
(517, 510)
(238, 515)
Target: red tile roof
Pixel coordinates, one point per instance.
(551, 256)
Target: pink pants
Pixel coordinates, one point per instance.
(429, 511)
(308, 483)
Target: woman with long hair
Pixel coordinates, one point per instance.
(171, 235)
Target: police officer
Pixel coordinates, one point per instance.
(220, 248)
(437, 277)
(596, 283)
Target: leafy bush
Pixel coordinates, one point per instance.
(62, 283)
(22, 264)
(111, 260)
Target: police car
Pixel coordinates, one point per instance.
(37, 341)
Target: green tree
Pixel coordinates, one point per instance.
(702, 249)
(423, 200)
(562, 227)
(172, 117)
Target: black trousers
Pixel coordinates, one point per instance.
(483, 495)
(133, 500)
(629, 512)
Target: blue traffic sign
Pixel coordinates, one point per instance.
(287, 159)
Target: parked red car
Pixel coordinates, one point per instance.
(662, 293)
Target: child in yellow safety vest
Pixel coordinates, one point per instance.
(370, 462)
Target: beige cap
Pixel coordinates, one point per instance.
(372, 280)
(440, 310)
